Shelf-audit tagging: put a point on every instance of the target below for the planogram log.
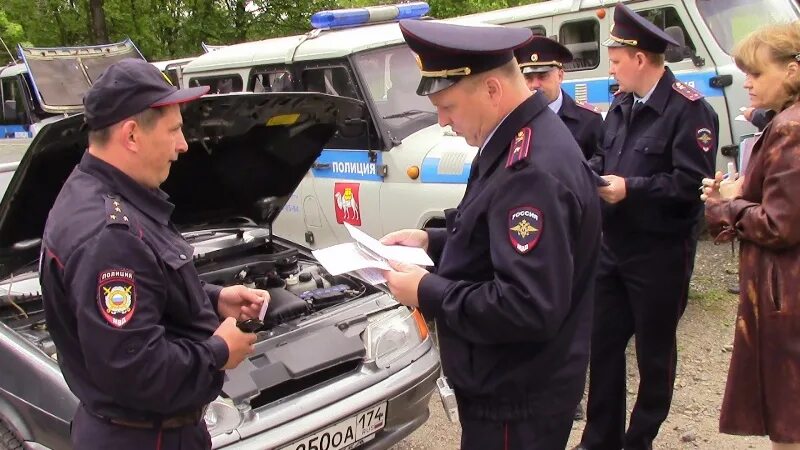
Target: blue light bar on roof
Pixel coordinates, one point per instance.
(358, 16)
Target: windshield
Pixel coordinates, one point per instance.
(731, 20)
(391, 76)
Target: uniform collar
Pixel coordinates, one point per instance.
(498, 145)
(658, 95)
(152, 202)
(555, 105)
(568, 107)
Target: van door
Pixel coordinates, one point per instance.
(15, 119)
(344, 183)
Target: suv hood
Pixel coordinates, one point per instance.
(247, 154)
(62, 75)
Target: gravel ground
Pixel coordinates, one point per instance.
(704, 343)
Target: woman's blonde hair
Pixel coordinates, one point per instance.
(782, 43)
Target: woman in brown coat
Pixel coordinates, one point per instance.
(762, 210)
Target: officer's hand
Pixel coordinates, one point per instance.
(408, 238)
(404, 281)
(615, 191)
(240, 344)
(241, 302)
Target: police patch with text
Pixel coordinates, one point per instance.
(116, 296)
(525, 226)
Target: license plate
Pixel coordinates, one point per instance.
(347, 434)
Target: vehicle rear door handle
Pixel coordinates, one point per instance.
(321, 166)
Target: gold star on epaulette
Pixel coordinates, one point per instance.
(125, 218)
(113, 217)
(117, 210)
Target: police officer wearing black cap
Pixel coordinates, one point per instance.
(542, 63)
(138, 334)
(515, 266)
(659, 142)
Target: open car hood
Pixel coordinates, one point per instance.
(247, 154)
(62, 75)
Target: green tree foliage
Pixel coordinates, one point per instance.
(166, 29)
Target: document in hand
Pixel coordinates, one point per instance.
(367, 256)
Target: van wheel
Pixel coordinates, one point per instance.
(8, 440)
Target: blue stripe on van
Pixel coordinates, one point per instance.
(13, 131)
(430, 173)
(597, 89)
(348, 165)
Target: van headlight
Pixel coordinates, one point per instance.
(391, 334)
(222, 417)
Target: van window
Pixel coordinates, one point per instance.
(731, 20)
(582, 38)
(668, 20)
(271, 81)
(329, 80)
(219, 85)
(13, 103)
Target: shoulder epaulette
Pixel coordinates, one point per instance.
(518, 151)
(687, 91)
(115, 211)
(588, 106)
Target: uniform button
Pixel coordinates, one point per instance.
(182, 256)
(454, 229)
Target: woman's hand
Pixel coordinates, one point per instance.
(718, 189)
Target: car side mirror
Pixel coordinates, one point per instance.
(352, 127)
(675, 53)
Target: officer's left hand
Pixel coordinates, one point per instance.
(615, 191)
(241, 302)
(403, 281)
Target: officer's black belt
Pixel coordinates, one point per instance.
(167, 423)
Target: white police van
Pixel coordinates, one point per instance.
(708, 30)
(401, 171)
(405, 170)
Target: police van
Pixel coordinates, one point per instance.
(48, 84)
(173, 69)
(706, 29)
(404, 170)
(398, 168)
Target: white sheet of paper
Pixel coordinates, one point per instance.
(343, 258)
(371, 276)
(399, 253)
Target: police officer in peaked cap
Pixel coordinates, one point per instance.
(542, 63)
(139, 336)
(513, 281)
(659, 142)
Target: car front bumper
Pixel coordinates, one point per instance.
(407, 391)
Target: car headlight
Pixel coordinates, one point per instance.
(222, 417)
(391, 334)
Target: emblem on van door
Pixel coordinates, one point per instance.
(346, 203)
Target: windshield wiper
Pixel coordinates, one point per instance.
(411, 112)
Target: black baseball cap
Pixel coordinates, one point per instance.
(129, 87)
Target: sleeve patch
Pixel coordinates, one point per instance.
(525, 225)
(687, 91)
(705, 139)
(519, 147)
(116, 296)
